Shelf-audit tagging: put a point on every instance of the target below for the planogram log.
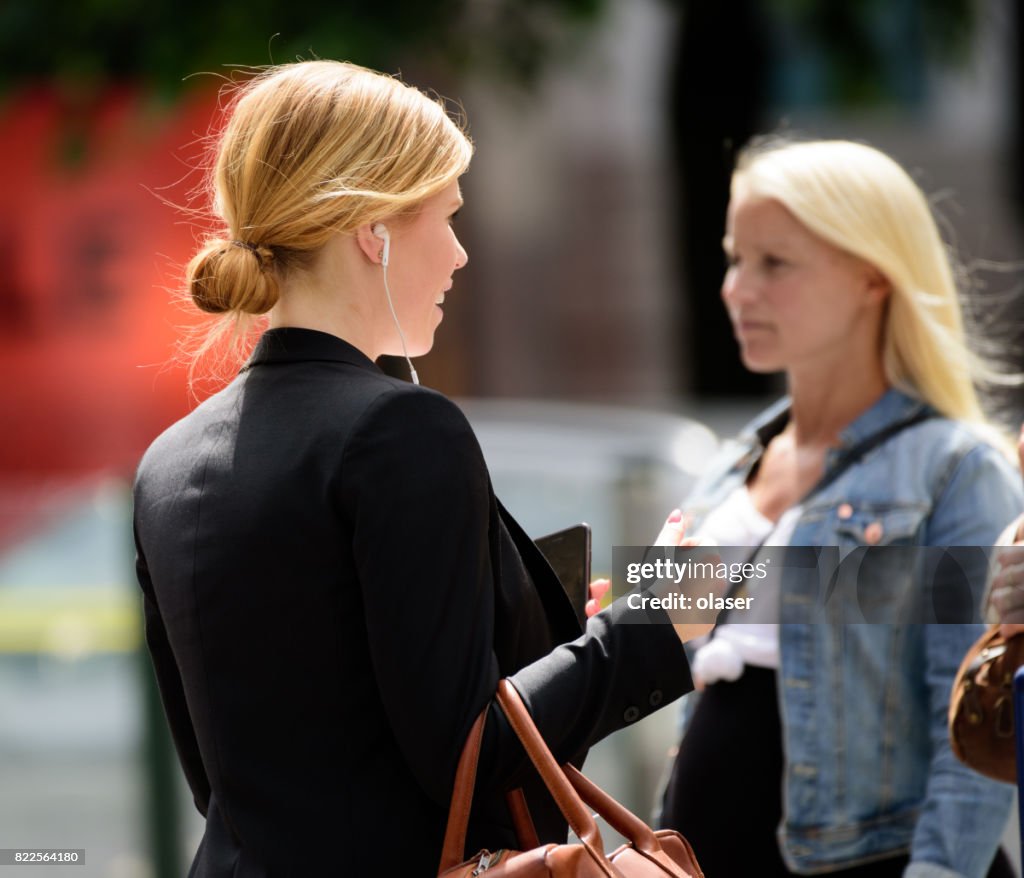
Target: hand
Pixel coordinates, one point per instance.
(674, 534)
(598, 589)
(1007, 591)
(674, 531)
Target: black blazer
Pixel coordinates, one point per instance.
(332, 592)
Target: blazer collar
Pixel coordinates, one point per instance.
(291, 344)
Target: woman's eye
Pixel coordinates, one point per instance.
(454, 217)
(731, 260)
(772, 262)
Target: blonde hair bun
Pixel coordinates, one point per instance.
(233, 276)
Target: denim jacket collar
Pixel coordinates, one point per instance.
(891, 408)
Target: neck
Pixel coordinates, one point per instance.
(297, 307)
(824, 404)
(334, 295)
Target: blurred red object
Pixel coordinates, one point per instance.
(91, 258)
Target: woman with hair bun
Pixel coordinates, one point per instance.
(332, 590)
(823, 747)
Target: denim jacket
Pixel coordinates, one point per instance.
(868, 768)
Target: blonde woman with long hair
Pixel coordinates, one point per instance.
(814, 747)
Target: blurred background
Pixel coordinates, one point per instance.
(586, 336)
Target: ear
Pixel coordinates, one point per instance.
(371, 246)
(876, 285)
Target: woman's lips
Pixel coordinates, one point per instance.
(750, 327)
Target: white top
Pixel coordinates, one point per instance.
(736, 522)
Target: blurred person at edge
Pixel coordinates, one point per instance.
(332, 590)
(1006, 588)
(823, 748)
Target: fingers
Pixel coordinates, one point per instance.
(1009, 557)
(1007, 596)
(674, 530)
(598, 589)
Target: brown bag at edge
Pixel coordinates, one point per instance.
(981, 706)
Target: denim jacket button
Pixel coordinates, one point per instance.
(845, 511)
(656, 698)
(631, 715)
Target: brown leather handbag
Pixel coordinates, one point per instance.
(648, 853)
(981, 705)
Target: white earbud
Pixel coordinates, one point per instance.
(381, 231)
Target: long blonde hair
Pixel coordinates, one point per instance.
(309, 150)
(860, 200)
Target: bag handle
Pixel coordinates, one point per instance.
(569, 781)
(570, 789)
(619, 817)
(462, 797)
(526, 832)
(569, 803)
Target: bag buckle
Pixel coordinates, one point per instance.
(487, 860)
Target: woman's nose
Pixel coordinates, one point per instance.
(461, 256)
(736, 287)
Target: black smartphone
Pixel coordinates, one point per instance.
(568, 553)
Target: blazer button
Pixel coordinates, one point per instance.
(632, 714)
(656, 698)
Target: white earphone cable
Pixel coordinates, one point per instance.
(398, 326)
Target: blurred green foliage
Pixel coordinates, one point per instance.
(863, 40)
(83, 45)
(948, 24)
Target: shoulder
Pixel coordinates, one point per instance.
(415, 440)
(181, 445)
(976, 490)
(398, 410)
(943, 449)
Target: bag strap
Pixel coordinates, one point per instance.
(569, 803)
(580, 820)
(526, 832)
(454, 847)
(858, 451)
(571, 791)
